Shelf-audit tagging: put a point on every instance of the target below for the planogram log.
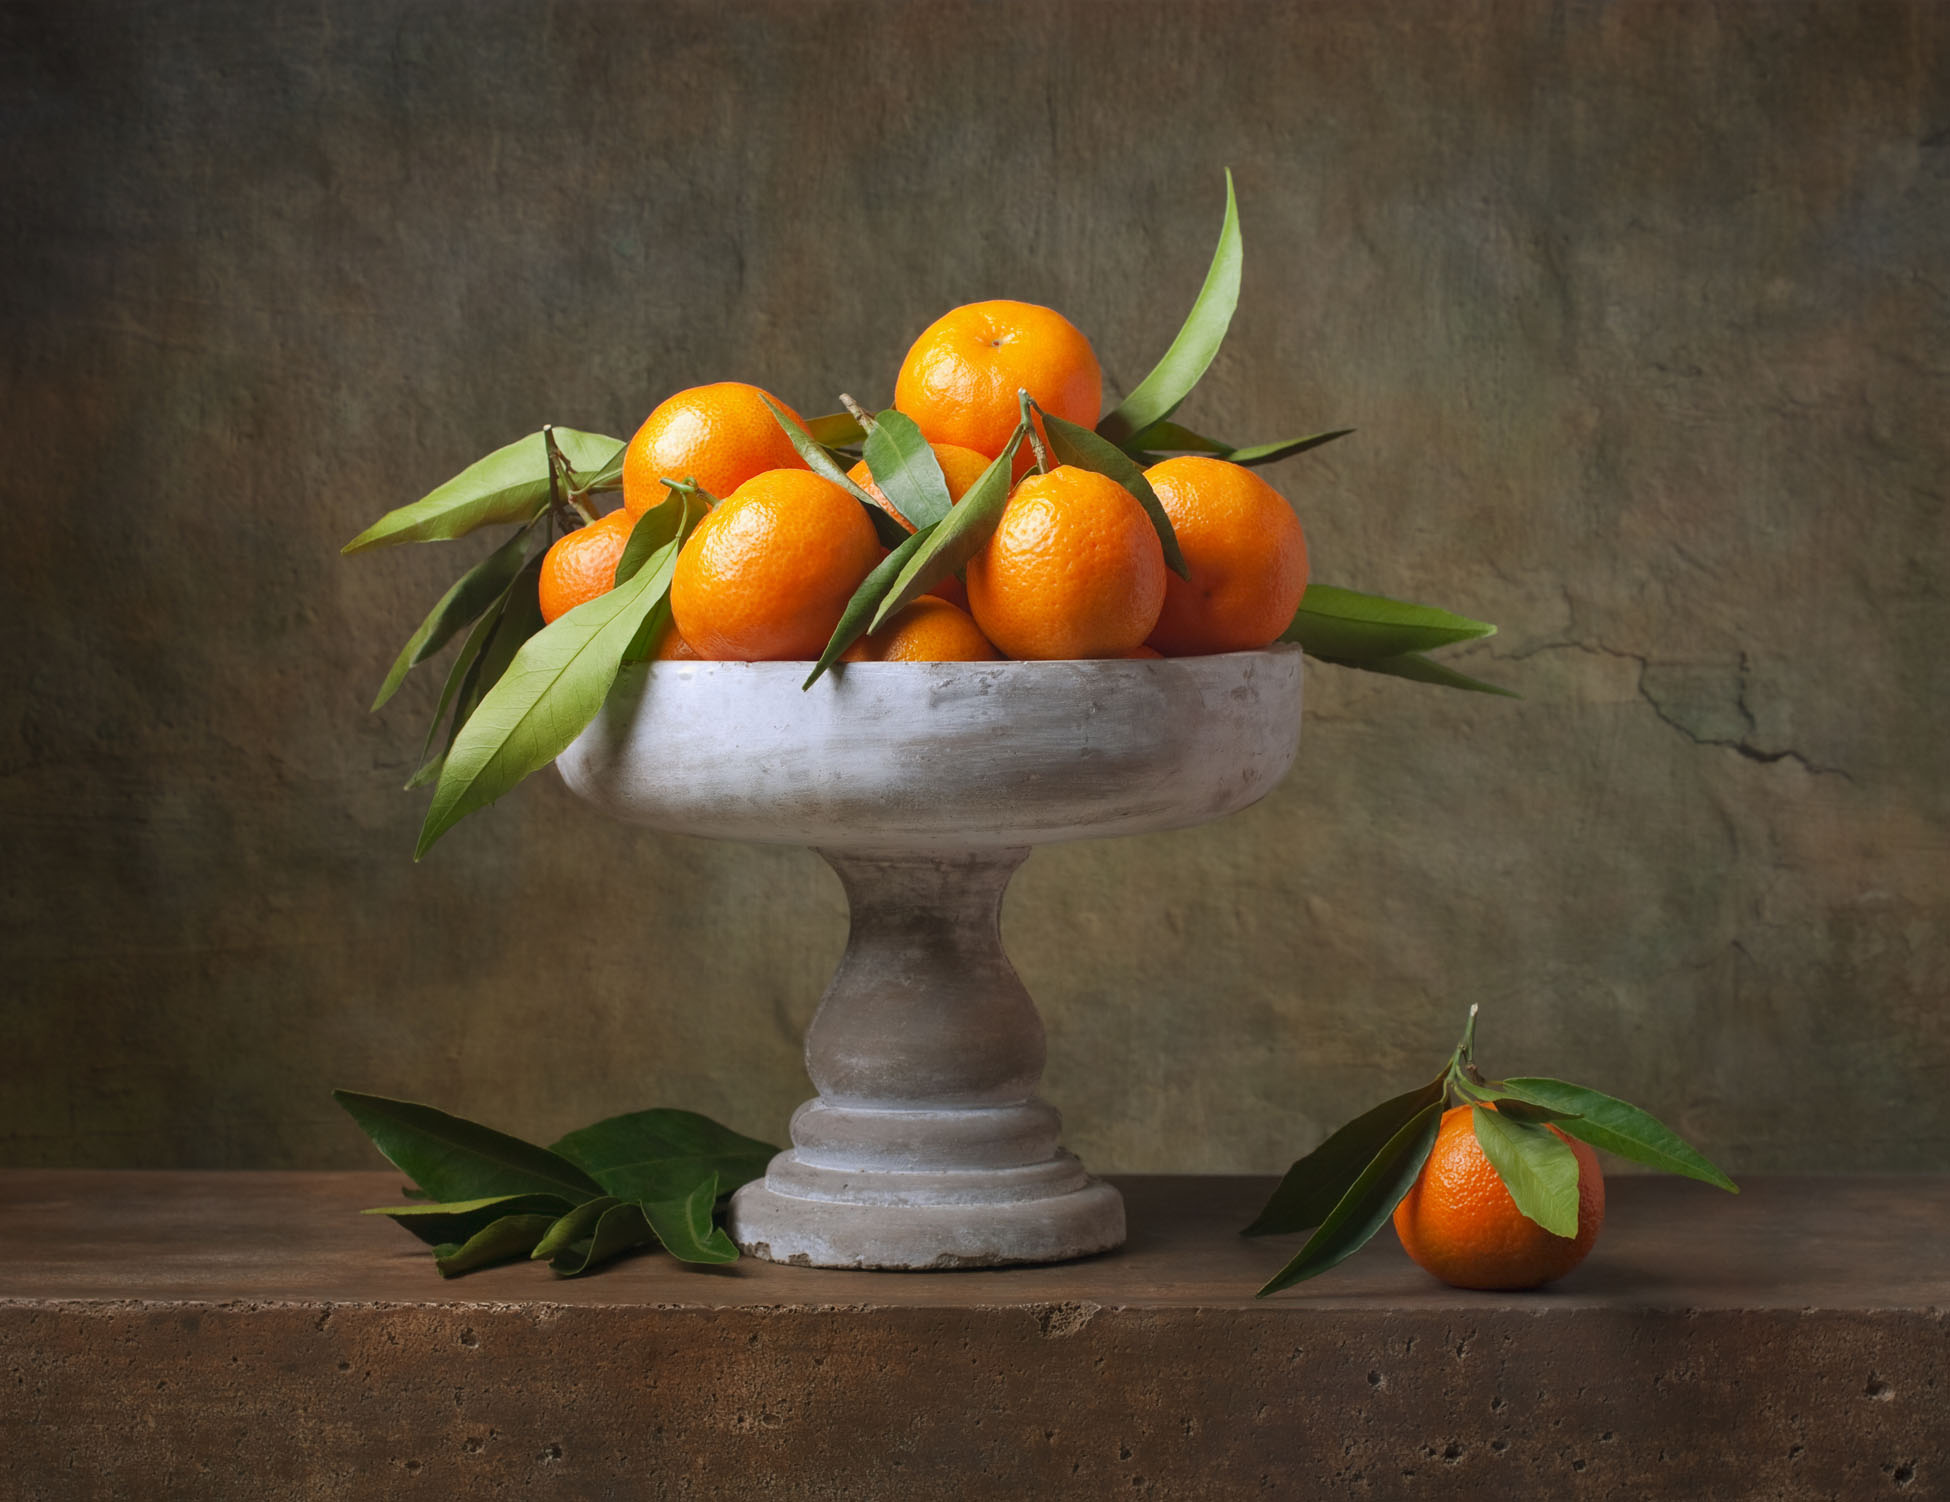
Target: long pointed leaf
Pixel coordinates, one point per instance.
(906, 470)
(1368, 1203)
(509, 485)
(1419, 669)
(1171, 438)
(1317, 1183)
(860, 608)
(836, 430)
(469, 595)
(662, 1153)
(618, 1230)
(577, 1225)
(550, 692)
(670, 520)
(452, 1223)
(453, 1158)
(1619, 1127)
(956, 538)
(1171, 380)
(890, 532)
(460, 673)
(1348, 626)
(683, 1225)
(1536, 1166)
(1084, 449)
(501, 1241)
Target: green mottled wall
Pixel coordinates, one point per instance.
(1640, 310)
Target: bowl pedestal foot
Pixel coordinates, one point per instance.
(927, 1146)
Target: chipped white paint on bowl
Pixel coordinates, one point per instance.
(924, 784)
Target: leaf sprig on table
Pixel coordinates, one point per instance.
(480, 1196)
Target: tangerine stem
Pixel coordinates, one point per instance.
(1035, 437)
(860, 414)
(569, 512)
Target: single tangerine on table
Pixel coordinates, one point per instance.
(1460, 1223)
(720, 435)
(1074, 569)
(1246, 553)
(960, 378)
(928, 630)
(766, 576)
(582, 564)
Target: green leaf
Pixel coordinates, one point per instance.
(1368, 1203)
(551, 691)
(683, 1225)
(481, 661)
(1191, 352)
(860, 608)
(1419, 669)
(890, 532)
(618, 1229)
(1536, 1166)
(1347, 626)
(662, 1153)
(472, 593)
(501, 1241)
(906, 470)
(509, 485)
(609, 477)
(1315, 1184)
(456, 1159)
(956, 538)
(1169, 437)
(577, 1225)
(457, 1221)
(460, 672)
(1618, 1127)
(836, 430)
(1084, 449)
(671, 520)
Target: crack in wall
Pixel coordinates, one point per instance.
(1742, 746)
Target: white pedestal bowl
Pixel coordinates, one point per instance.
(924, 785)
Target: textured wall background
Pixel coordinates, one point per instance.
(1640, 310)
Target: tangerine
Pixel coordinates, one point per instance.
(1245, 551)
(581, 565)
(1460, 1223)
(767, 574)
(1074, 569)
(671, 647)
(720, 435)
(960, 378)
(928, 630)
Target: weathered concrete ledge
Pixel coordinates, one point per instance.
(250, 1335)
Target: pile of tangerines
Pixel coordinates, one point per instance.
(1074, 569)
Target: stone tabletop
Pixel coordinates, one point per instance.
(251, 1334)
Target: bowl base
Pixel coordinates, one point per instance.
(876, 1230)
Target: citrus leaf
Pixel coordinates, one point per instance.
(1509, 1104)
(670, 520)
(577, 1225)
(1420, 669)
(609, 477)
(890, 532)
(1619, 1127)
(551, 691)
(1170, 438)
(860, 608)
(500, 1241)
(473, 592)
(683, 1225)
(521, 618)
(509, 485)
(1315, 1184)
(617, 1230)
(836, 430)
(1171, 380)
(1084, 449)
(1368, 1203)
(456, 1159)
(661, 1154)
(906, 470)
(956, 538)
(459, 673)
(1536, 1166)
(1346, 626)
(454, 1222)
